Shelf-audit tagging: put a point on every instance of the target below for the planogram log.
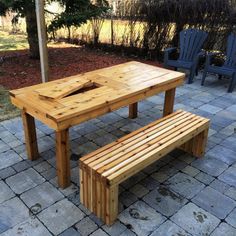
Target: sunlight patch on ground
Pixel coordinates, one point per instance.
(12, 41)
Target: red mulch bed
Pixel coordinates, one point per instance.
(19, 71)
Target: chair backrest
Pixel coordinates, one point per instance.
(231, 51)
(191, 42)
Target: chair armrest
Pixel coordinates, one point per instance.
(203, 53)
(211, 55)
(170, 50)
(167, 53)
(196, 60)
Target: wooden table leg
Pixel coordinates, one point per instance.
(133, 110)
(169, 102)
(63, 158)
(30, 136)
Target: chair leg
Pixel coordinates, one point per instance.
(191, 76)
(204, 77)
(232, 84)
(175, 68)
(196, 72)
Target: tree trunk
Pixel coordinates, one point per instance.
(31, 28)
(69, 34)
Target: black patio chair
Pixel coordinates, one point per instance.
(191, 42)
(228, 69)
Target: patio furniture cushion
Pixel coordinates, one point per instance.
(104, 169)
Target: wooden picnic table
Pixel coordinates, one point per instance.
(63, 103)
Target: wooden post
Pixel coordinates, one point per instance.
(30, 136)
(42, 38)
(112, 21)
(63, 158)
(133, 110)
(169, 102)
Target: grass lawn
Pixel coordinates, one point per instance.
(12, 41)
(9, 42)
(7, 110)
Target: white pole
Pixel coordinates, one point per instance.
(42, 39)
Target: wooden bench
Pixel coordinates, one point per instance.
(103, 170)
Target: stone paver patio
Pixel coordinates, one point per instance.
(178, 195)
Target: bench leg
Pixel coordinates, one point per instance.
(63, 158)
(30, 136)
(99, 198)
(169, 102)
(83, 185)
(188, 146)
(133, 110)
(105, 200)
(90, 189)
(111, 202)
(197, 145)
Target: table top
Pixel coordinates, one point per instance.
(72, 100)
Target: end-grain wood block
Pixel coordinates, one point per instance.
(103, 170)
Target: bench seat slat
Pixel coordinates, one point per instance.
(139, 163)
(129, 141)
(136, 141)
(141, 144)
(159, 142)
(86, 159)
